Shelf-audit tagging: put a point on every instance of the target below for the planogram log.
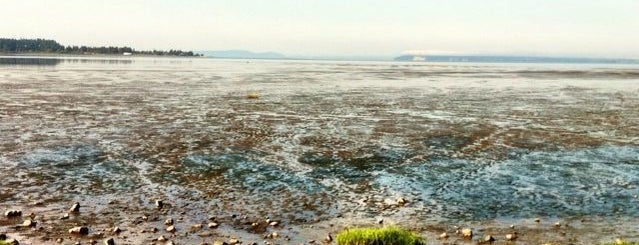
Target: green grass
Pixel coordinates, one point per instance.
(378, 236)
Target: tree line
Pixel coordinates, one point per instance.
(9, 45)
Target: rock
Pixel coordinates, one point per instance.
(380, 221)
(169, 243)
(29, 223)
(275, 235)
(13, 213)
(93, 241)
(65, 216)
(467, 233)
(252, 96)
(401, 201)
(328, 238)
(311, 241)
(537, 220)
(159, 204)
(168, 222)
(170, 228)
(32, 215)
(11, 242)
(60, 240)
(511, 237)
(234, 241)
(489, 238)
(274, 223)
(81, 230)
(109, 241)
(220, 243)
(117, 230)
(196, 227)
(213, 225)
(443, 235)
(212, 218)
(557, 225)
(161, 239)
(512, 226)
(75, 208)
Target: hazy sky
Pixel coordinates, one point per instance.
(337, 27)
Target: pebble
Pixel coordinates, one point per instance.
(196, 227)
(489, 238)
(109, 241)
(117, 230)
(275, 235)
(75, 208)
(13, 213)
(65, 216)
(443, 235)
(82, 230)
(380, 221)
(234, 241)
(328, 238)
(29, 223)
(467, 233)
(401, 201)
(168, 222)
(511, 237)
(557, 224)
(537, 220)
(170, 229)
(60, 240)
(161, 239)
(213, 225)
(220, 243)
(159, 204)
(311, 241)
(274, 223)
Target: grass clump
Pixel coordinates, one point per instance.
(378, 236)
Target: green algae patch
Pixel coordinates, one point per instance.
(378, 236)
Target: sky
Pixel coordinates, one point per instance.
(580, 28)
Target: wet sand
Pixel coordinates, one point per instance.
(327, 145)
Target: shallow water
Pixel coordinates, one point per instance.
(325, 142)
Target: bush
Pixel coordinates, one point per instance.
(378, 236)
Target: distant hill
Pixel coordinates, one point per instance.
(510, 59)
(242, 54)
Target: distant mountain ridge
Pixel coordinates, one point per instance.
(242, 54)
(511, 59)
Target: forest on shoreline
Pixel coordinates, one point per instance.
(20, 46)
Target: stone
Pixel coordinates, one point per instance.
(11, 242)
(443, 235)
(81, 230)
(13, 213)
(161, 239)
(401, 201)
(328, 238)
(220, 243)
(109, 241)
(29, 223)
(537, 220)
(212, 218)
(253, 96)
(65, 216)
(75, 208)
(168, 222)
(557, 224)
(171, 229)
(117, 230)
(511, 236)
(489, 238)
(275, 235)
(213, 225)
(196, 227)
(32, 215)
(159, 204)
(512, 226)
(60, 240)
(311, 241)
(467, 233)
(274, 223)
(234, 241)
(380, 221)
